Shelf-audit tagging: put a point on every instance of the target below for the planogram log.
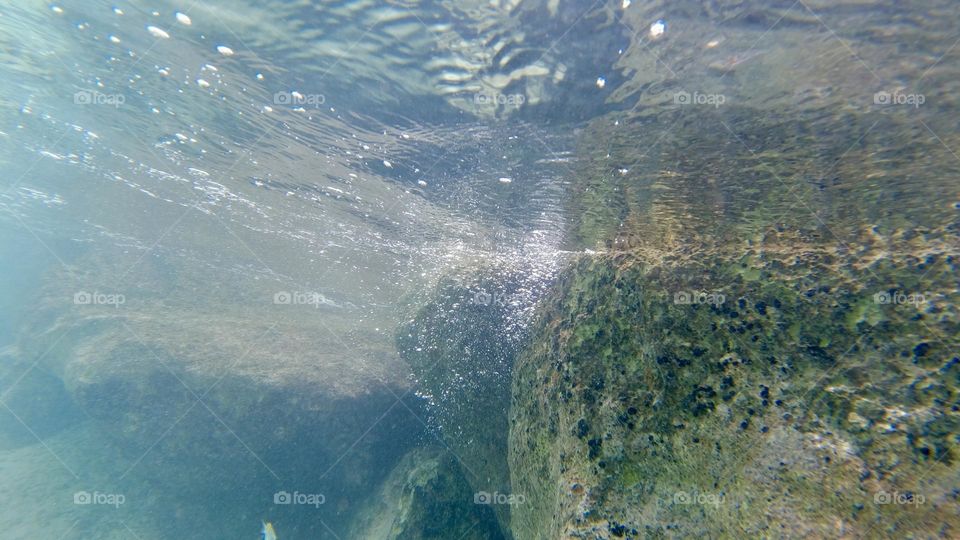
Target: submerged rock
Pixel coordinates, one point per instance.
(426, 497)
(707, 419)
(751, 350)
(228, 395)
(461, 347)
(35, 404)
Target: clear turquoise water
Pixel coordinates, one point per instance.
(250, 195)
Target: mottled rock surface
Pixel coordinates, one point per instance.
(787, 409)
(229, 386)
(426, 497)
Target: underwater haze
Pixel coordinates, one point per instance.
(479, 269)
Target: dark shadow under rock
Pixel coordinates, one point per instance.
(461, 348)
(426, 497)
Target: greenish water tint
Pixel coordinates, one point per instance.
(549, 269)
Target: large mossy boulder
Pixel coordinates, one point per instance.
(760, 338)
(750, 398)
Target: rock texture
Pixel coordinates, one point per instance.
(787, 409)
(425, 497)
(461, 347)
(226, 386)
(749, 352)
(739, 350)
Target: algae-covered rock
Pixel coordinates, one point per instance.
(766, 342)
(673, 400)
(425, 497)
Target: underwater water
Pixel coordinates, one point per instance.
(493, 269)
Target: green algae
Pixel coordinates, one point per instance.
(824, 379)
(694, 395)
(425, 497)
